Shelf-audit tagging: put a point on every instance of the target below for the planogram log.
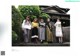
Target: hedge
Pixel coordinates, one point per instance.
(16, 22)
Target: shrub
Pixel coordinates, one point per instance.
(16, 22)
(29, 10)
(44, 16)
(14, 37)
(32, 17)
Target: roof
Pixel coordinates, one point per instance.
(57, 8)
(59, 14)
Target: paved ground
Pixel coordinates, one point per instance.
(42, 44)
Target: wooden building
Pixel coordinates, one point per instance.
(61, 13)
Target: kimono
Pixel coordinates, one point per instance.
(50, 32)
(58, 29)
(26, 27)
(41, 30)
(35, 26)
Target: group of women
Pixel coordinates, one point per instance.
(38, 31)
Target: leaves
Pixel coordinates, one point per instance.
(44, 16)
(16, 22)
(29, 10)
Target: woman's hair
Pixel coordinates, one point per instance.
(35, 19)
(27, 18)
(41, 19)
(58, 19)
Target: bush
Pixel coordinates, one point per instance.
(14, 37)
(32, 17)
(16, 22)
(29, 10)
(44, 16)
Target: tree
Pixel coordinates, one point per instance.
(16, 22)
(44, 16)
(29, 11)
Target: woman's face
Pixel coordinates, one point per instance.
(27, 18)
(42, 20)
(58, 20)
(35, 19)
(48, 20)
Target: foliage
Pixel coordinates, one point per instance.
(32, 17)
(29, 10)
(16, 21)
(14, 37)
(44, 16)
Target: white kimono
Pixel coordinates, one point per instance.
(58, 29)
(26, 25)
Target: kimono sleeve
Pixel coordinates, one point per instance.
(23, 23)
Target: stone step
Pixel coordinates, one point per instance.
(42, 44)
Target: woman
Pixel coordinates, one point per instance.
(41, 30)
(49, 31)
(59, 34)
(26, 27)
(35, 26)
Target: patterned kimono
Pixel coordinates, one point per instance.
(41, 30)
(49, 31)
